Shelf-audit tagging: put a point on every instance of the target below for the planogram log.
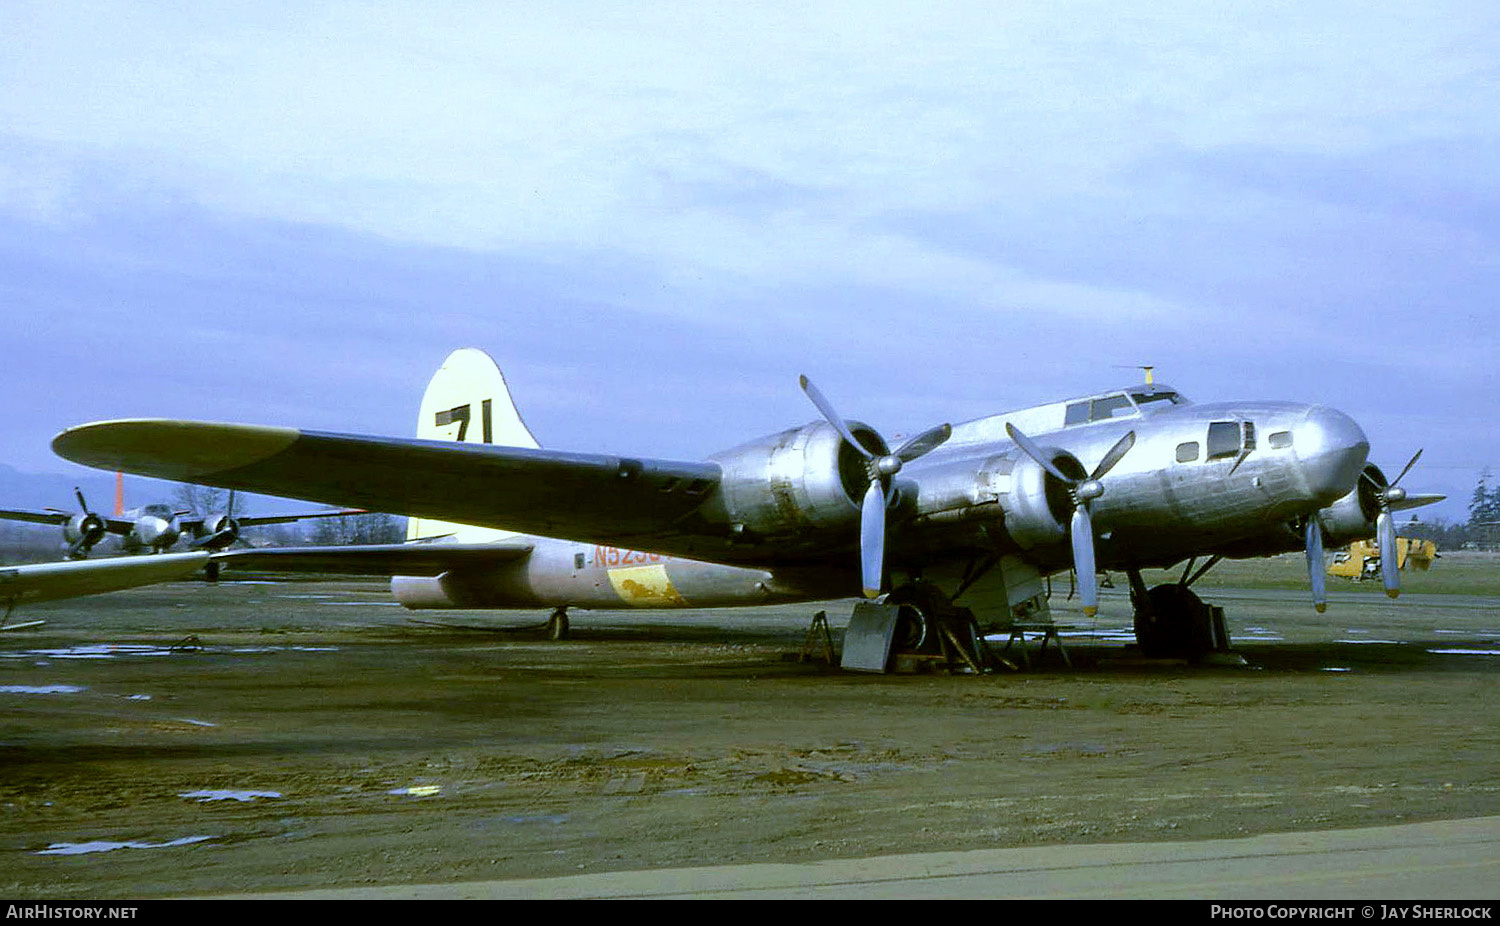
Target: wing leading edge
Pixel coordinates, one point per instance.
(652, 504)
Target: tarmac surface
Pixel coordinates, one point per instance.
(1450, 859)
(280, 737)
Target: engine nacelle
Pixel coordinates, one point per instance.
(219, 532)
(802, 480)
(1352, 517)
(1038, 506)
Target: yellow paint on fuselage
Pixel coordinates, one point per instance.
(645, 587)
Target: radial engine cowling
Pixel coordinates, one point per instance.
(1352, 517)
(1037, 505)
(219, 532)
(800, 482)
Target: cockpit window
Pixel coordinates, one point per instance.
(1166, 395)
(1223, 439)
(1187, 452)
(1110, 407)
(1280, 440)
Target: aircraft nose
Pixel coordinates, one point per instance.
(1332, 449)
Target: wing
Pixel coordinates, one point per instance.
(404, 559)
(36, 517)
(257, 520)
(646, 504)
(48, 581)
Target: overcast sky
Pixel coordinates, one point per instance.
(655, 216)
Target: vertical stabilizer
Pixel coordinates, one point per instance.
(468, 401)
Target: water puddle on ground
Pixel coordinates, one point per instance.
(84, 848)
(41, 689)
(207, 796)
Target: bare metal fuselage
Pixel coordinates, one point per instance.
(1230, 479)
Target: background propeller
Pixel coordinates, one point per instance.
(881, 470)
(1083, 491)
(226, 530)
(90, 527)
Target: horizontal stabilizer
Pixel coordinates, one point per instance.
(388, 559)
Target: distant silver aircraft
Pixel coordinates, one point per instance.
(975, 515)
(151, 528)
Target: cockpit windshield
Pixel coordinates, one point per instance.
(1118, 405)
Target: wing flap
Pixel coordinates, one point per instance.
(394, 559)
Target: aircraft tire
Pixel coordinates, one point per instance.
(1176, 624)
(922, 603)
(557, 625)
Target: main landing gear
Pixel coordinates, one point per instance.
(930, 627)
(1171, 621)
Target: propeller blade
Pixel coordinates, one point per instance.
(1083, 560)
(1385, 535)
(229, 512)
(1121, 447)
(1035, 452)
(872, 540)
(1407, 468)
(832, 415)
(82, 505)
(1316, 574)
(924, 443)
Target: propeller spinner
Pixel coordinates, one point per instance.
(1083, 491)
(881, 491)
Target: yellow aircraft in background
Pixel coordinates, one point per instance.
(1362, 560)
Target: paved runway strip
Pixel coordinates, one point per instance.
(1451, 859)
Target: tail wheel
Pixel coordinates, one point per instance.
(557, 625)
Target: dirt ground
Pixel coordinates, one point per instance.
(307, 734)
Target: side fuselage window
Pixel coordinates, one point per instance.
(1187, 452)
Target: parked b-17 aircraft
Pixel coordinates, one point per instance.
(974, 515)
(151, 528)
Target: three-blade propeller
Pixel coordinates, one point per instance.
(1385, 527)
(881, 469)
(1083, 491)
(1385, 538)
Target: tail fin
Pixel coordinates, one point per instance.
(468, 401)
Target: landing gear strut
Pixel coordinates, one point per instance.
(557, 625)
